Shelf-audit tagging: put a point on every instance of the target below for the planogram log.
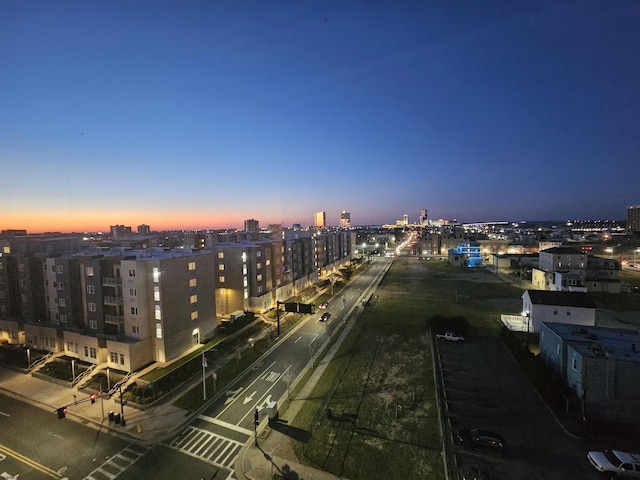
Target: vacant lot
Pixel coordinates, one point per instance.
(377, 407)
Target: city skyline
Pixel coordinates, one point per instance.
(201, 115)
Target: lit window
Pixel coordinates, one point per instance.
(259, 277)
(156, 274)
(221, 279)
(220, 254)
(193, 298)
(194, 315)
(193, 282)
(192, 265)
(246, 293)
(158, 330)
(158, 313)
(244, 269)
(221, 266)
(156, 294)
(89, 271)
(267, 262)
(258, 266)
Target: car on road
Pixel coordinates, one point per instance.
(481, 439)
(323, 305)
(616, 463)
(325, 316)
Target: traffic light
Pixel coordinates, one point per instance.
(93, 398)
(291, 307)
(62, 412)
(305, 308)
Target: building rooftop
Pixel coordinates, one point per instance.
(563, 251)
(565, 299)
(600, 342)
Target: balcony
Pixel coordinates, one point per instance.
(114, 319)
(112, 301)
(111, 281)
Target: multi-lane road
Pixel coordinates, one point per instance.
(208, 445)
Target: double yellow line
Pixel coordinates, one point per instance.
(31, 463)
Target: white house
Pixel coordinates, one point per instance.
(540, 306)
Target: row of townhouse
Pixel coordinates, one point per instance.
(128, 308)
(569, 269)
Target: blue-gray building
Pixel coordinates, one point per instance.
(600, 365)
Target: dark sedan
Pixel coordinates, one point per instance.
(481, 439)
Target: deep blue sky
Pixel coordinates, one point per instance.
(205, 113)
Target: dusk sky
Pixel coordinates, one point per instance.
(201, 114)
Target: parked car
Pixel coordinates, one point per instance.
(616, 463)
(479, 438)
(323, 305)
(325, 316)
(450, 336)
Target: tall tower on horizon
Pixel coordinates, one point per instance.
(424, 215)
(405, 219)
(320, 219)
(345, 219)
(251, 225)
(633, 218)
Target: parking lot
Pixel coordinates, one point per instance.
(484, 388)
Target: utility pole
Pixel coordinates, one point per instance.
(204, 376)
(278, 316)
(121, 407)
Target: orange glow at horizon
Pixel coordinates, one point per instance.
(100, 221)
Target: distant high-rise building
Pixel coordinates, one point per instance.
(424, 214)
(119, 231)
(345, 219)
(251, 225)
(144, 229)
(405, 219)
(633, 218)
(321, 219)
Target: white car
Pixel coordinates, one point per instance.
(623, 464)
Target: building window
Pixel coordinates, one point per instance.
(62, 302)
(70, 346)
(133, 292)
(267, 262)
(156, 274)
(193, 298)
(193, 282)
(135, 329)
(63, 318)
(60, 285)
(92, 352)
(568, 312)
(113, 357)
(91, 289)
(259, 277)
(555, 311)
(244, 269)
(194, 315)
(192, 265)
(132, 272)
(91, 306)
(121, 359)
(58, 268)
(93, 324)
(258, 254)
(220, 254)
(258, 266)
(221, 266)
(86, 351)
(259, 288)
(134, 310)
(574, 364)
(221, 279)
(89, 271)
(158, 330)
(158, 313)
(156, 294)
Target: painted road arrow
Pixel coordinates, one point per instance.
(249, 398)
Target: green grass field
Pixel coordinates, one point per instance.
(379, 387)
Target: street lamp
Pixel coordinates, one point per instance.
(609, 250)
(526, 317)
